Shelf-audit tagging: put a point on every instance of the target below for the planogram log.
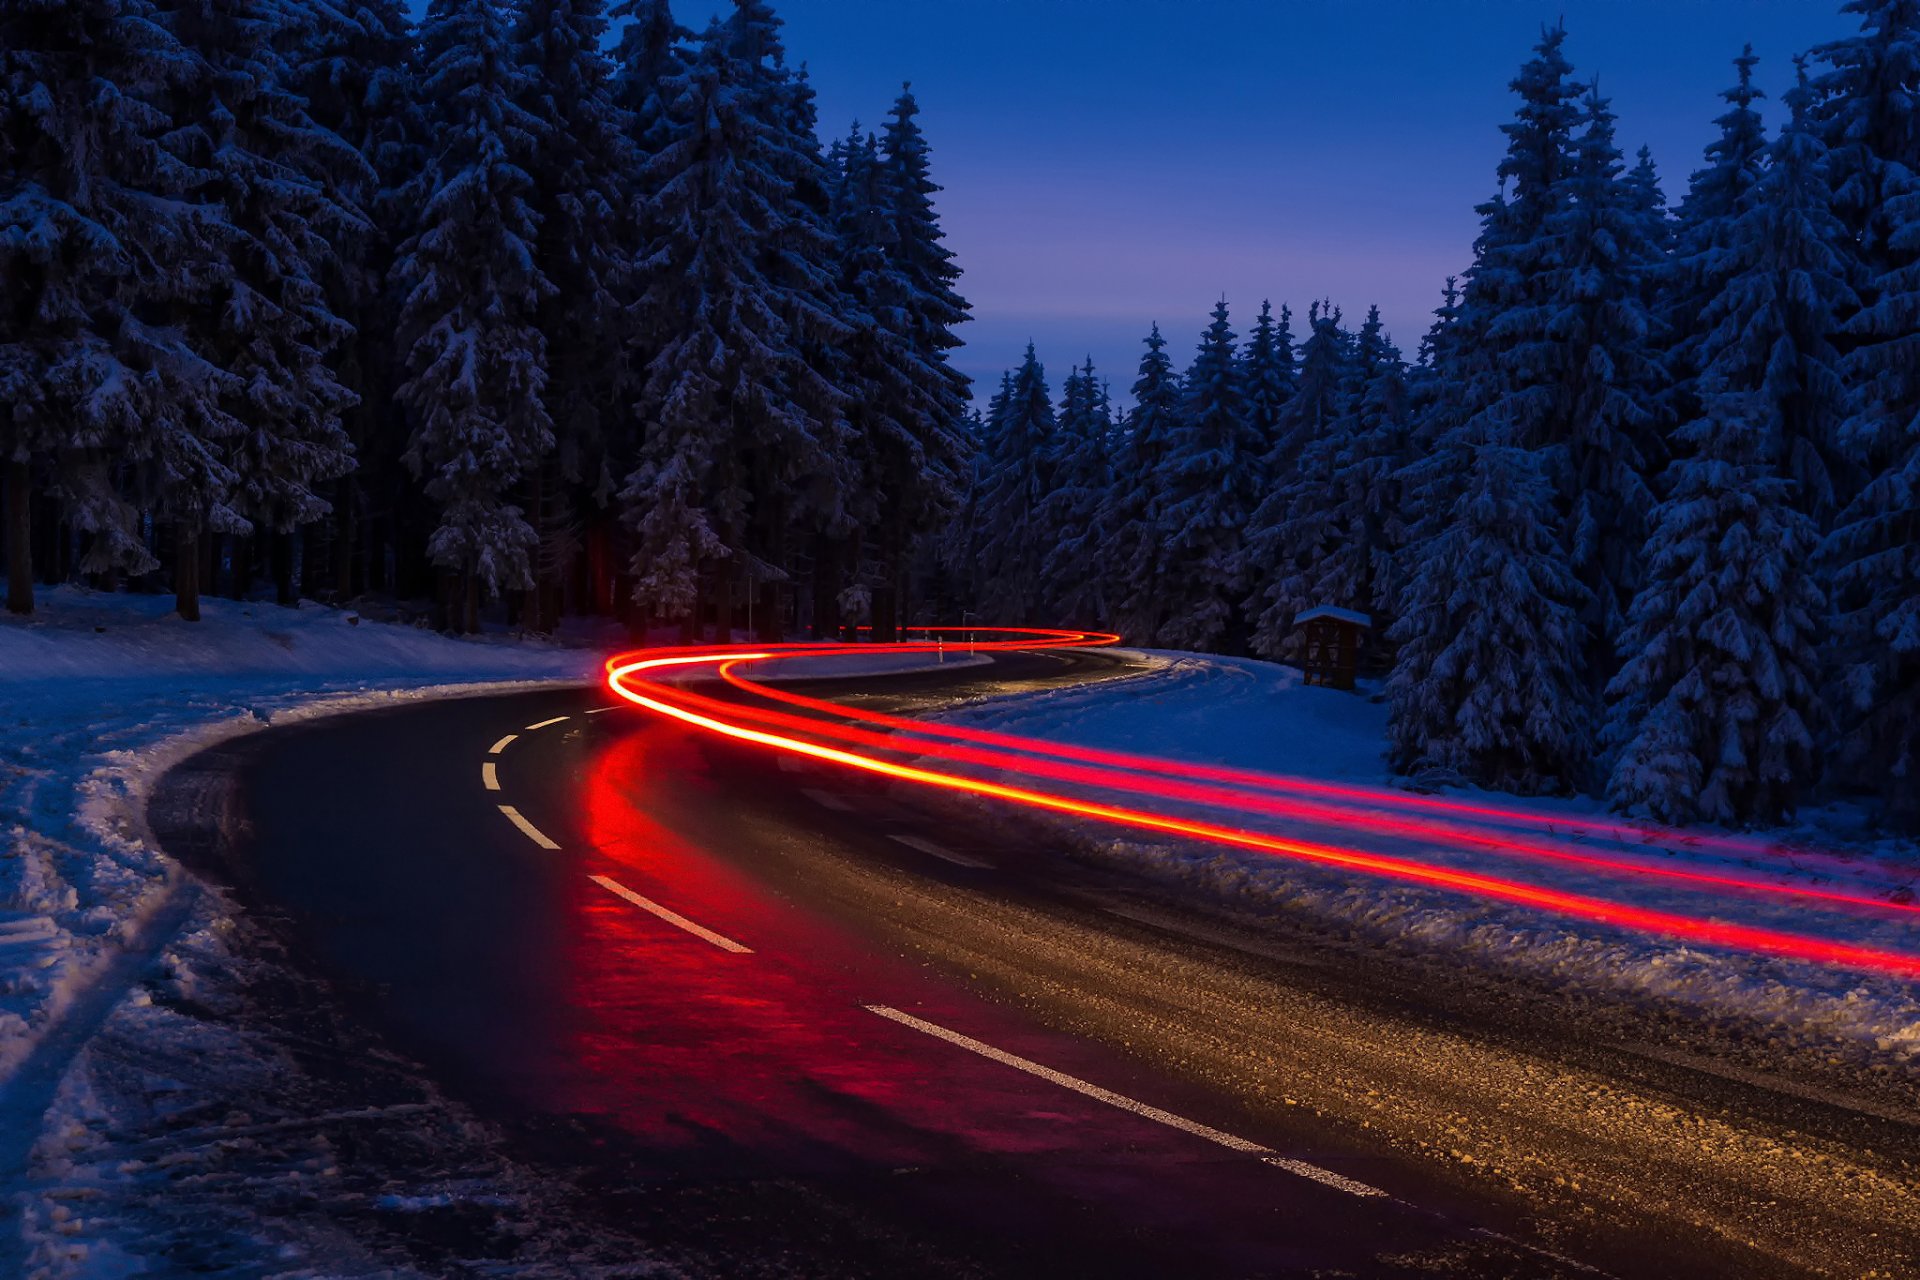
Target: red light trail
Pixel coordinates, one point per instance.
(1447, 822)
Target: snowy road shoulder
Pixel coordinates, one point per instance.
(1250, 715)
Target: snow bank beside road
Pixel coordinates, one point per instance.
(100, 694)
(1259, 716)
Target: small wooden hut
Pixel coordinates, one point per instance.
(1331, 637)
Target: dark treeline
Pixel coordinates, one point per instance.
(505, 307)
(1642, 516)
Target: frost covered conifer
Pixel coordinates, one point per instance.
(1017, 482)
(1487, 688)
(1290, 526)
(1718, 702)
(1074, 520)
(92, 212)
(1209, 487)
(1344, 508)
(933, 306)
(357, 67)
(1269, 379)
(1133, 555)
(734, 292)
(270, 186)
(1867, 107)
(578, 175)
(475, 357)
(1604, 374)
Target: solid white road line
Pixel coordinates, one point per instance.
(489, 776)
(1325, 1177)
(827, 799)
(527, 829)
(502, 745)
(941, 852)
(673, 918)
(544, 723)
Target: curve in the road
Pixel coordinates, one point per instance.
(635, 677)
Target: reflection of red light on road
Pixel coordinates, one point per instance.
(625, 678)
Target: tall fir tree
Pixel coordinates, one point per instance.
(1017, 484)
(931, 305)
(470, 324)
(1133, 511)
(728, 409)
(1867, 106)
(273, 179)
(577, 194)
(1269, 379)
(1488, 686)
(1074, 521)
(1716, 195)
(1600, 422)
(1209, 488)
(1290, 527)
(1488, 399)
(93, 209)
(357, 66)
(1718, 704)
(1343, 509)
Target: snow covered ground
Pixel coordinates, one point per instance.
(108, 1079)
(1260, 716)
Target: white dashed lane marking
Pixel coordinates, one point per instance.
(788, 764)
(527, 829)
(489, 776)
(544, 723)
(673, 918)
(827, 799)
(594, 711)
(942, 852)
(1326, 1177)
(502, 745)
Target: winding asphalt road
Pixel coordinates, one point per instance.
(796, 1022)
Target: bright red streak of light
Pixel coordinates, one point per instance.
(680, 705)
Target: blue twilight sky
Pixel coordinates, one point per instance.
(1109, 163)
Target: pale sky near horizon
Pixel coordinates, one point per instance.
(1110, 163)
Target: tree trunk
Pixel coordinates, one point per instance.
(343, 531)
(470, 612)
(186, 573)
(19, 538)
(826, 588)
(281, 550)
(723, 601)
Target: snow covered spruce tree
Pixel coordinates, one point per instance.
(1268, 381)
(931, 309)
(1716, 194)
(272, 178)
(356, 66)
(92, 211)
(1015, 486)
(1209, 487)
(1488, 688)
(1133, 511)
(1486, 408)
(1867, 106)
(736, 290)
(1599, 375)
(1343, 510)
(1290, 527)
(1074, 519)
(475, 357)
(577, 191)
(1718, 704)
